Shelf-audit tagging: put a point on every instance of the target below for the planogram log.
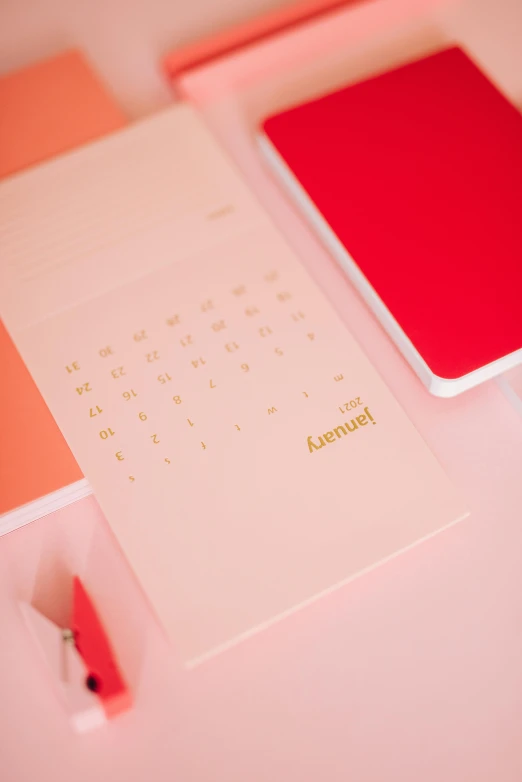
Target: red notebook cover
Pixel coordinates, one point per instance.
(418, 172)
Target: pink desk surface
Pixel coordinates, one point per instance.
(412, 673)
(124, 40)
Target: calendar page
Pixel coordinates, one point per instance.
(245, 452)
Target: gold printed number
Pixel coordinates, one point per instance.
(118, 372)
(154, 438)
(272, 276)
(142, 416)
(139, 335)
(298, 315)
(251, 311)
(207, 305)
(219, 325)
(83, 389)
(231, 347)
(106, 351)
(239, 291)
(164, 378)
(105, 433)
(94, 411)
(120, 457)
(74, 367)
(187, 340)
(283, 296)
(245, 367)
(154, 356)
(265, 331)
(174, 321)
(198, 362)
(351, 404)
(177, 399)
(127, 395)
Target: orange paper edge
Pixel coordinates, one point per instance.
(46, 108)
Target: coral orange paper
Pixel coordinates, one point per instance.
(51, 107)
(34, 457)
(243, 449)
(46, 109)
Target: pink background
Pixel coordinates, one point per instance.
(411, 673)
(123, 39)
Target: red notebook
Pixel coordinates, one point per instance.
(414, 181)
